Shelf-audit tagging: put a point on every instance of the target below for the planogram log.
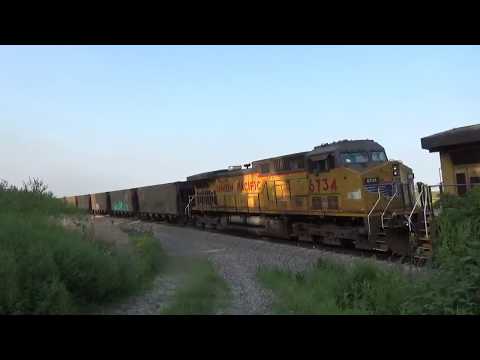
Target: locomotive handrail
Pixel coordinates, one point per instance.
(373, 208)
(388, 204)
(414, 207)
(187, 208)
(425, 204)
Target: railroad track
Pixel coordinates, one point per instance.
(379, 255)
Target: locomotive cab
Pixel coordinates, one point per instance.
(354, 154)
(369, 174)
(355, 179)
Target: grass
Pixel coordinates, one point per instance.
(46, 269)
(449, 285)
(333, 289)
(203, 291)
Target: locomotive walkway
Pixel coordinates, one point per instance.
(235, 258)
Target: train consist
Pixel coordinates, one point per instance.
(346, 193)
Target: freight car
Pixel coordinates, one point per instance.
(164, 201)
(71, 200)
(124, 202)
(101, 203)
(346, 193)
(84, 202)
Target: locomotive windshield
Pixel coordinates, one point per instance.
(363, 157)
(355, 158)
(378, 156)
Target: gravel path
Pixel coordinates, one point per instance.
(237, 259)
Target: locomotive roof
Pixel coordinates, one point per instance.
(344, 145)
(347, 146)
(207, 175)
(218, 173)
(457, 136)
(278, 157)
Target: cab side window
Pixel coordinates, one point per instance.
(297, 163)
(265, 168)
(322, 165)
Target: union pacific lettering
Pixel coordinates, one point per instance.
(248, 186)
(253, 185)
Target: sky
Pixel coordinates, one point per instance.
(89, 119)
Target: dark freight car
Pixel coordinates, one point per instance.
(124, 201)
(84, 202)
(101, 203)
(72, 200)
(164, 199)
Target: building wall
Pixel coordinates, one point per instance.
(450, 171)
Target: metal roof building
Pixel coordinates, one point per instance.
(459, 150)
(452, 138)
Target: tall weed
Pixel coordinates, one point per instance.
(45, 268)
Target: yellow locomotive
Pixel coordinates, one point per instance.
(344, 193)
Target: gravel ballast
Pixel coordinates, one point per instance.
(236, 258)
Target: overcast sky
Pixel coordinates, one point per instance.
(96, 118)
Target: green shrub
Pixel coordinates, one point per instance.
(453, 288)
(45, 268)
(330, 289)
(377, 291)
(449, 285)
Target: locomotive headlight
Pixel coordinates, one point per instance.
(371, 181)
(395, 170)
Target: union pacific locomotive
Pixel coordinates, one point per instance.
(346, 193)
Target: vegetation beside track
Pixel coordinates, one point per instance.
(46, 269)
(449, 284)
(203, 291)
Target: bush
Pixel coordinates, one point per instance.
(449, 285)
(372, 290)
(331, 288)
(452, 287)
(46, 269)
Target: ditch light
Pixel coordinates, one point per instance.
(395, 170)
